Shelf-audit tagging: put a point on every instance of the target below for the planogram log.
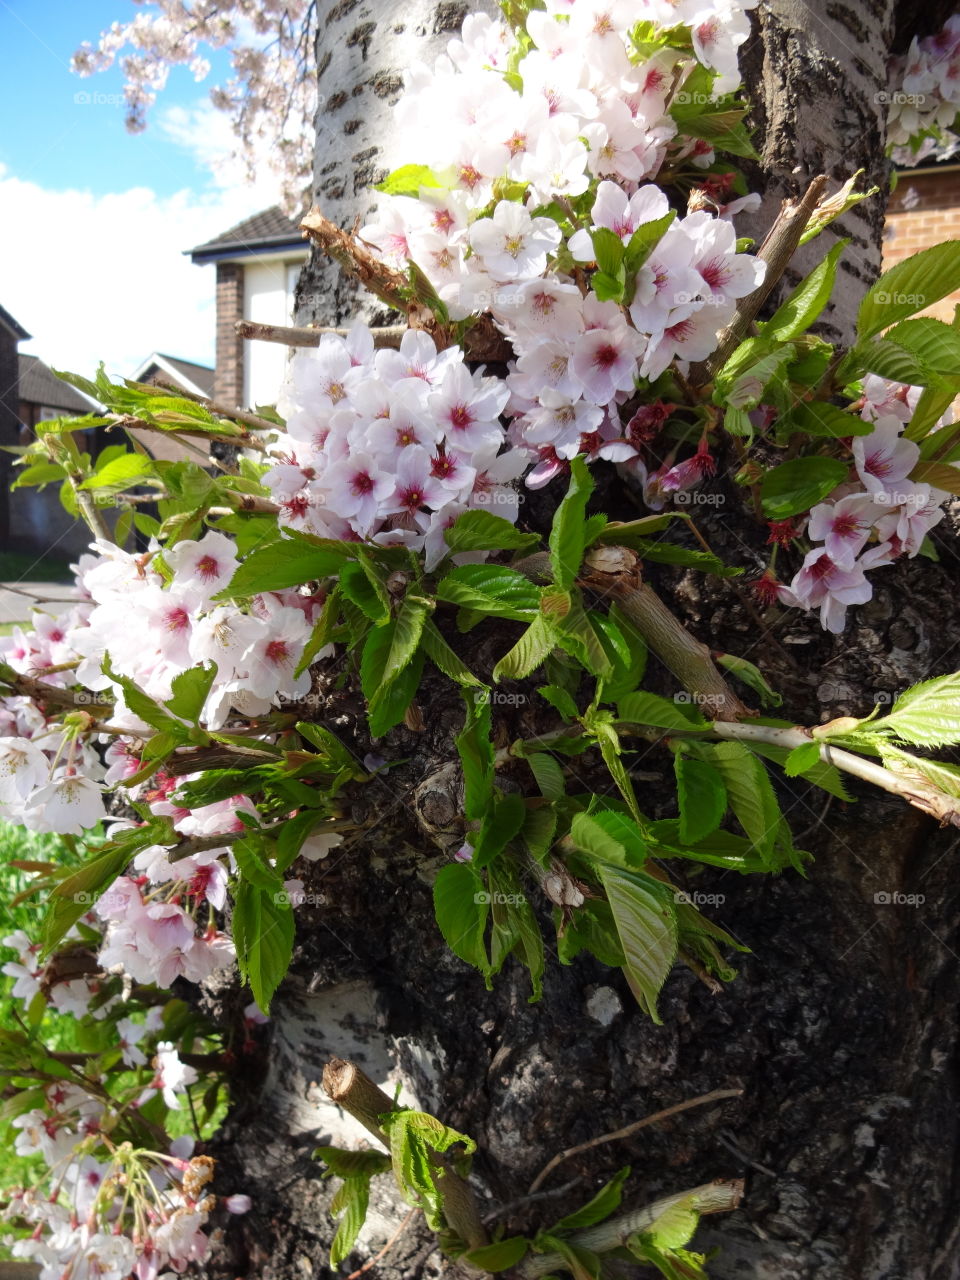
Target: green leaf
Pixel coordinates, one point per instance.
(560, 700)
(323, 629)
(411, 617)
(752, 677)
(357, 585)
(751, 796)
(144, 706)
(407, 180)
(479, 530)
(939, 474)
(889, 360)
(627, 534)
(592, 838)
(445, 659)
(287, 563)
(604, 1203)
(568, 536)
(351, 1201)
(608, 250)
(823, 775)
(491, 589)
(797, 314)
(609, 288)
(645, 919)
(39, 474)
(910, 286)
(529, 652)
(462, 905)
(414, 1138)
(661, 713)
(802, 758)
(548, 774)
(932, 405)
(926, 715)
(644, 240)
(626, 649)
(670, 553)
(576, 634)
(390, 702)
(702, 798)
(263, 930)
(799, 484)
(190, 689)
(122, 473)
(934, 343)
(351, 1164)
(499, 827)
(476, 753)
(498, 1257)
(820, 420)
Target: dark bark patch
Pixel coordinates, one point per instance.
(360, 37)
(352, 126)
(341, 10)
(448, 17)
(323, 62)
(335, 102)
(386, 83)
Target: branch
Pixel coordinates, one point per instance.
(482, 341)
(240, 439)
(716, 1096)
(40, 691)
(721, 1196)
(347, 1086)
(778, 248)
(387, 337)
(921, 795)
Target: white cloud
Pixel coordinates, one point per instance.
(103, 277)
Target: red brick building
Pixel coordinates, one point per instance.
(924, 210)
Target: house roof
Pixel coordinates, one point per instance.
(267, 231)
(8, 322)
(194, 377)
(40, 385)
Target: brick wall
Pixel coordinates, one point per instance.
(924, 210)
(228, 379)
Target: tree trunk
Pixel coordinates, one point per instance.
(839, 1027)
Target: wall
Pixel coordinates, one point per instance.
(924, 210)
(267, 299)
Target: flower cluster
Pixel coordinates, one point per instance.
(925, 100)
(584, 115)
(390, 445)
(871, 521)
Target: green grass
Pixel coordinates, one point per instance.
(16, 566)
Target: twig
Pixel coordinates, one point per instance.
(387, 337)
(778, 248)
(240, 440)
(721, 1196)
(355, 1275)
(348, 1086)
(914, 789)
(522, 1201)
(716, 1096)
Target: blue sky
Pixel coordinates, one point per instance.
(93, 219)
(50, 137)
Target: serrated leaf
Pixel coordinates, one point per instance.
(356, 585)
(661, 713)
(263, 930)
(819, 420)
(910, 286)
(500, 825)
(568, 535)
(548, 774)
(802, 758)
(702, 798)
(647, 928)
(794, 316)
(407, 180)
(287, 563)
(491, 589)
(476, 753)
(752, 677)
(323, 629)
(799, 484)
(529, 652)
(560, 700)
(190, 689)
(601, 1206)
(479, 530)
(445, 659)
(670, 553)
(461, 905)
(926, 715)
(751, 795)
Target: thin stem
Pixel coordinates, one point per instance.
(387, 337)
(629, 1130)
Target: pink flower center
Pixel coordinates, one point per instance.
(177, 620)
(606, 356)
(361, 483)
(277, 652)
(717, 273)
(846, 526)
(207, 567)
(460, 417)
